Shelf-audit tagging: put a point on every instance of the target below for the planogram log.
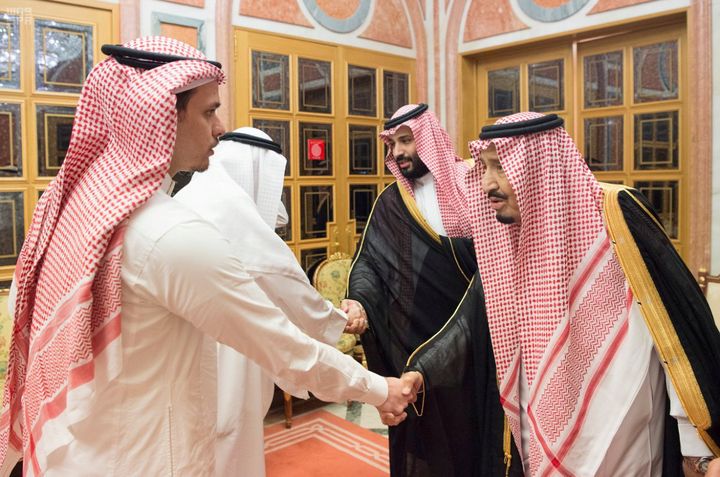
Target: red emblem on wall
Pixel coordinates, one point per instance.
(316, 149)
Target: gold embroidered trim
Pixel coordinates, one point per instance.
(617, 188)
(655, 315)
(415, 213)
(507, 445)
(457, 264)
(422, 345)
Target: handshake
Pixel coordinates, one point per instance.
(401, 392)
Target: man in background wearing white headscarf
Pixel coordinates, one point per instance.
(240, 195)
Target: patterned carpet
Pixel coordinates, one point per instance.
(326, 442)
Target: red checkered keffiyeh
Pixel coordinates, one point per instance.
(556, 296)
(435, 149)
(66, 342)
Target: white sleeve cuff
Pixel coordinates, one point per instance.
(377, 391)
(335, 325)
(691, 444)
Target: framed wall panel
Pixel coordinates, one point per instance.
(310, 258)
(64, 55)
(314, 86)
(54, 128)
(279, 131)
(395, 92)
(11, 160)
(10, 57)
(270, 80)
(316, 210)
(363, 149)
(362, 198)
(12, 226)
(362, 96)
(316, 141)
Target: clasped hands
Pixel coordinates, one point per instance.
(357, 318)
(402, 392)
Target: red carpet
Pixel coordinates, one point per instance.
(320, 444)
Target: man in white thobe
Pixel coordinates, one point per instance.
(121, 292)
(240, 195)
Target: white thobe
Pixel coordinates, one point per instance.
(244, 390)
(636, 448)
(425, 192)
(183, 288)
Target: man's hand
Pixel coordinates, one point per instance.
(357, 318)
(413, 381)
(409, 385)
(714, 468)
(701, 466)
(400, 394)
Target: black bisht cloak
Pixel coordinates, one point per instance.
(676, 312)
(412, 283)
(673, 307)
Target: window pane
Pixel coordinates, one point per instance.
(604, 143)
(63, 55)
(363, 147)
(285, 231)
(314, 86)
(361, 86)
(315, 149)
(279, 131)
(656, 140)
(546, 86)
(54, 126)
(362, 198)
(395, 92)
(271, 80)
(316, 211)
(310, 258)
(12, 226)
(603, 79)
(663, 196)
(503, 92)
(656, 72)
(9, 51)
(10, 140)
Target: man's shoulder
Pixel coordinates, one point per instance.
(390, 193)
(160, 215)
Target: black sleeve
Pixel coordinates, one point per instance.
(445, 360)
(684, 301)
(366, 287)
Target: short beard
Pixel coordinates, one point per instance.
(505, 219)
(417, 170)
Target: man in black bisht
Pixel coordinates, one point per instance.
(414, 273)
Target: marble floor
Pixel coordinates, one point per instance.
(363, 415)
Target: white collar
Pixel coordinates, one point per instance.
(425, 180)
(167, 184)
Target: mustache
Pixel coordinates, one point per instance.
(497, 194)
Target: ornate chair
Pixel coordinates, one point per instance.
(330, 280)
(710, 285)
